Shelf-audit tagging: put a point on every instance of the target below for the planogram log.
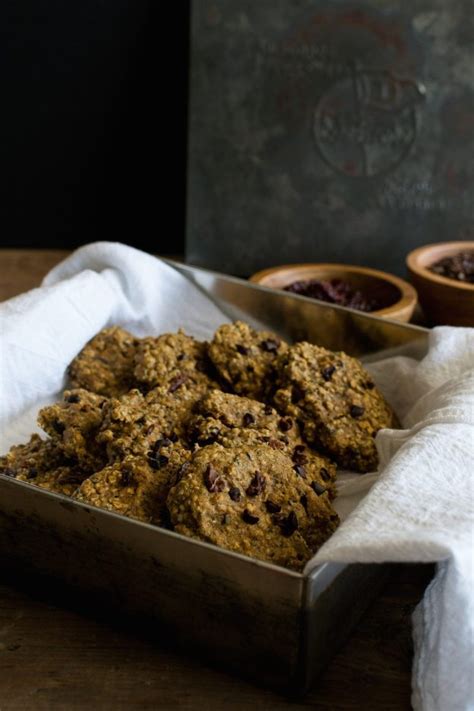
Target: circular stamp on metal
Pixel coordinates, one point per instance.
(366, 122)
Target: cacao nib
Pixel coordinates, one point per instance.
(213, 481)
(250, 518)
(257, 485)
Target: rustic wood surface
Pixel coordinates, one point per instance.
(61, 657)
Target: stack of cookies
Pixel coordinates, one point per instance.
(235, 442)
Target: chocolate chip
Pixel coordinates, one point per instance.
(369, 385)
(250, 518)
(180, 356)
(234, 493)
(300, 470)
(328, 371)
(270, 345)
(324, 474)
(272, 507)
(356, 411)
(173, 437)
(257, 485)
(225, 519)
(176, 382)
(126, 477)
(32, 473)
(248, 419)
(73, 398)
(243, 350)
(304, 502)
(213, 481)
(149, 429)
(155, 460)
(297, 393)
(268, 410)
(58, 426)
(285, 424)
(317, 488)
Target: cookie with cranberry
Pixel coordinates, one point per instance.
(247, 499)
(105, 364)
(245, 359)
(335, 400)
(74, 423)
(42, 463)
(231, 420)
(171, 358)
(134, 486)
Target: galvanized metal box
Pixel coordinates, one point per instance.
(253, 618)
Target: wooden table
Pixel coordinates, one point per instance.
(60, 658)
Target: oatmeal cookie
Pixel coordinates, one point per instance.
(136, 486)
(171, 358)
(74, 424)
(134, 422)
(248, 500)
(231, 420)
(42, 462)
(105, 364)
(336, 402)
(245, 358)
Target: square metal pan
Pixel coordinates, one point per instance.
(253, 618)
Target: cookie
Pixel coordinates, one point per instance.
(135, 486)
(336, 402)
(232, 420)
(42, 463)
(169, 360)
(134, 422)
(245, 358)
(247, 499)
(105, 364)
(74, 424)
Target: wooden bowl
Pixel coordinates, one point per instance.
(399, 297)
(444, 301)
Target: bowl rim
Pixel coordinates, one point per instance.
(408, 293)
(425, 273)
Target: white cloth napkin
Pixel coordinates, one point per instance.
(418, 507)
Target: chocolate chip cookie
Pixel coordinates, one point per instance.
(105, 364)
(42, 462)
(247, 499)
(232, 420)
(336, 402)
(74, 424)
(245, 358)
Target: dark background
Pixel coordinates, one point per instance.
(93, 122)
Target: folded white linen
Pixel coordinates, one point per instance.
(417, 507)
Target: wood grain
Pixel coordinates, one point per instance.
(59, 657)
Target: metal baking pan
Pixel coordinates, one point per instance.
(253, 618)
